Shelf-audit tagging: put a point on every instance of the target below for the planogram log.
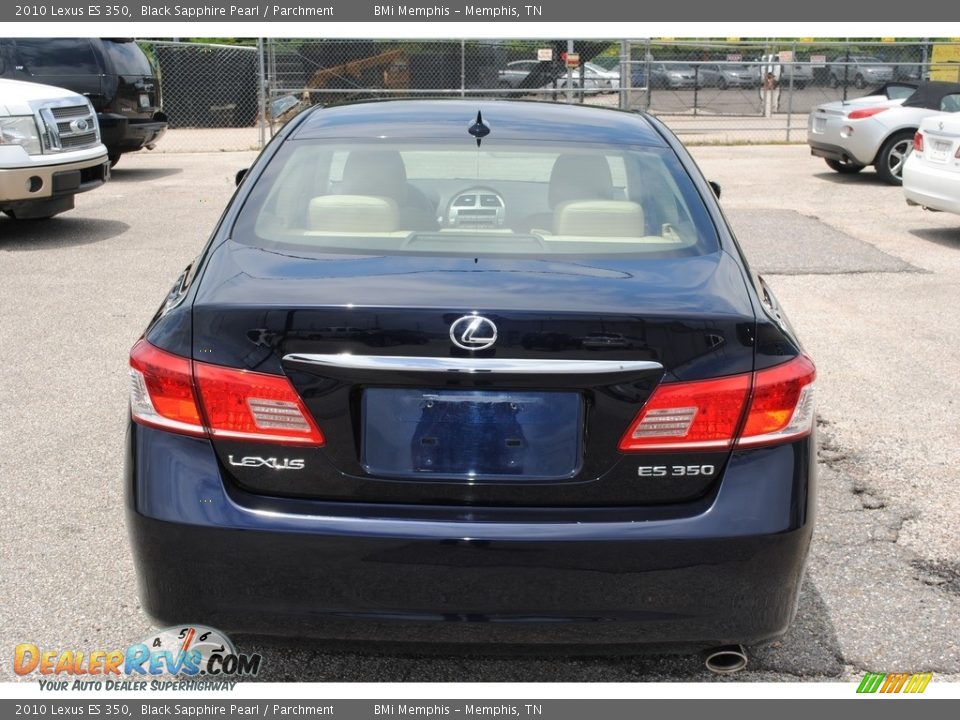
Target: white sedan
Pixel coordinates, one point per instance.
(931, 175)
(877, 130)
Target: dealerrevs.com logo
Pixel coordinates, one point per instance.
(199, 657)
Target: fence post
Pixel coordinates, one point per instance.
(569, 75)
(626, 75)
(261, 93)
(793, 69)
(463, 68)
(647, 57)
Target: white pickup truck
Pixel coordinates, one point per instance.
(50, 149)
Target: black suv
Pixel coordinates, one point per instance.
(114, 73)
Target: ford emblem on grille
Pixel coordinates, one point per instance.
(79, 125)
(473, 332)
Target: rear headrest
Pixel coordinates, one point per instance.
(599, 218)
(353, 213)
(375, 172)
(580, 177)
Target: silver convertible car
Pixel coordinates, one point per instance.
(878, 129)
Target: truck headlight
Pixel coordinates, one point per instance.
(21, 131)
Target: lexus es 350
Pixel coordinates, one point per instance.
(473, 372)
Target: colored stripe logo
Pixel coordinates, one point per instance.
(894, 682)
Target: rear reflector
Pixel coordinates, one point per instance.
(918, 142)
(865, 113)
(704, 415)
(168, 391)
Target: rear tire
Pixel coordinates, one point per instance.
(834, 82)
(860, 82)
(844, 168)
(893, 153)
(114, 159)
(722, 84)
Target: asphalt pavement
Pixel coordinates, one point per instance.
(870, 284)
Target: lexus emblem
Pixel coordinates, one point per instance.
(473, 332)
(79, 125)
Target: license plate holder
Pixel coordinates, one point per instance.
(144, 101)
(471, 435)
(940, 150)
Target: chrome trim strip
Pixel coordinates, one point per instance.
(501, 366)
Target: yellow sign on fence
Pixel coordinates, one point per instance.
(945, 63)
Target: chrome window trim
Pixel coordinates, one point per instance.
(470, 365)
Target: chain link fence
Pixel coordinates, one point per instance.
(233, 97)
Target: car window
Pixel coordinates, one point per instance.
(950, 103)
(57, 56)
(508, 198)
(897, 92)
(128, 58)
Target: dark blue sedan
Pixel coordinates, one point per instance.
(473, 372)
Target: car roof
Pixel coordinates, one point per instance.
(929, 94)
(449, 120)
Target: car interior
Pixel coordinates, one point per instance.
(426, 199)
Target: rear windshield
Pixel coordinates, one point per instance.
(128, 58)
(501, 198)
(57, 56)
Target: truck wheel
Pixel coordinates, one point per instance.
(114, 159)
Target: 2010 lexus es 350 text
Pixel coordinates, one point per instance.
(473, 372)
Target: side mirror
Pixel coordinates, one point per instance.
(240, 175)
(715, 186)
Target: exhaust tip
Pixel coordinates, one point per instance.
(727, 659)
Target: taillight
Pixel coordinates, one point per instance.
(781, 404)
(245, 405)
(705, 414)
(161, 390)
(696, 415)
(865, 113)
(918, 142)
(168, 391)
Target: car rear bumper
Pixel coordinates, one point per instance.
(120, 134)
(826, 139)
(720, 570)
(932, 187)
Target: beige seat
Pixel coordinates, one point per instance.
(354, 214)
(599, 218)
(573, 177)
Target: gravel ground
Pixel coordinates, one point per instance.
(870, 284)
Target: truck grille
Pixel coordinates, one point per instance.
(69, 127)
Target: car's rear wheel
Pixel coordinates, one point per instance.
(834, 82)
(847, 168)
(892, 156)
(859, 81)
(722, 84)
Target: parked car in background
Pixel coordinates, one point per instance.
(860, 71)
(672, 75)
(114, 74)
(724, 75)
(931, 175)
(877, 130)
(50, 149)
(536, 74)
(603, 453)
